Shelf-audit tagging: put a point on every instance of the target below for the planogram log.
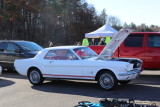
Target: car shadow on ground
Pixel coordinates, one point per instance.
(12, 74)
(148, 80)
(138, 89)
(4, 83)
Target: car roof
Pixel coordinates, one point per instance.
(14, 41)
(64, 47)
(44, 51)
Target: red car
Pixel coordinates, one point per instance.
(142, 45)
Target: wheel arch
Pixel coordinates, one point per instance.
(35, 80)
(104, 70)
(31, 68)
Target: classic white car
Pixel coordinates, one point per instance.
(80, 62)
(0, 70)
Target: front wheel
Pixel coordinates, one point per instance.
(35, 77)
(107, 80)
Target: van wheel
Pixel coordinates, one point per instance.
(35, 77)
(107, 81)
(124, 82)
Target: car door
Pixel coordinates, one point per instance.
(11, 53)
(62, 63)
(133, 47)
(3, 46)
(152, 54)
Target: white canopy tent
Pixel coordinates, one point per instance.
(104, 31)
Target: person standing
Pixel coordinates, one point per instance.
(108, 39)
(85, 42)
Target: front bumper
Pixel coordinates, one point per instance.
(129, 75)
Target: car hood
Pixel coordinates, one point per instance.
(115, 42)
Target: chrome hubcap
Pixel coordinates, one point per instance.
(106, 81)
(35, 76)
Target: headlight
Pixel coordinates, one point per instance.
(138, 65)
(129, 67)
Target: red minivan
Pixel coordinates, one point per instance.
(142, 45)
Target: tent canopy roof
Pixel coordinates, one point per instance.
(104, 31)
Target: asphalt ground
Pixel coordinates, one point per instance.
(16, 91)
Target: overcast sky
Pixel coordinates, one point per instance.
(137, 11)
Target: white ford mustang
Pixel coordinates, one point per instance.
(80, 62)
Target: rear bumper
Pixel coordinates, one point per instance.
(129, 75)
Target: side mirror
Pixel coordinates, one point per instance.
(18, 51)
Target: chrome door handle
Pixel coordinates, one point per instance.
(51, 61)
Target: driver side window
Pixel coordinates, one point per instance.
(61, 54)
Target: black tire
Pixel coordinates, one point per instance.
(35, 77)
(124, 82)
(107, 81)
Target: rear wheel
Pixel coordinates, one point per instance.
(35, 77)
(107, 80)
(124, 82)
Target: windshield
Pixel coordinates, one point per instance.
(85, 52)
(30, 46)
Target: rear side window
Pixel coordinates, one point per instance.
(61, 54)
(12, 47)
(3, 46)
(153, 40)
(134, 40)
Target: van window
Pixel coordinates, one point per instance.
(153, 40)
(134, 40)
